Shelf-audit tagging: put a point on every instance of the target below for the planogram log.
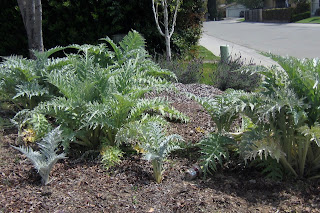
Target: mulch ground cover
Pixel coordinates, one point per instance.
(85, 186)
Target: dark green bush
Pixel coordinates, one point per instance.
(85, 21)
(251, 4)
(301, 11)
(300, 16)
(301, 8)
(212, 9)
(12, 33)
(189, 25)
(279, 14)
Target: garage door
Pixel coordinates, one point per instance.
(233, 13)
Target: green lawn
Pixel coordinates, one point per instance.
(209, 65)
(208, 70)
(207, 55)
(312, 20)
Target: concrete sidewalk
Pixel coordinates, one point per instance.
(248, 55)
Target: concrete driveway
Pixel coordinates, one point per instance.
(298, 40)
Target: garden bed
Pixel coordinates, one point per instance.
(85, 186)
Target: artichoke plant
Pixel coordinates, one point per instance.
(44, 159)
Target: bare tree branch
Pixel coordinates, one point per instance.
(156, 17)
(167, 34)
(175, 17)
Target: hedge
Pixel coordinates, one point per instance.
(279, 14)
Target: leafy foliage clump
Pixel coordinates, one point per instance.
(152, 141)
(91, 94)
(111, 156)
(285, 117)
(270, 168)
(44, 160)
(236, 75)
(214, 148)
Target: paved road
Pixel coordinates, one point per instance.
(298, 40)
(247, 55)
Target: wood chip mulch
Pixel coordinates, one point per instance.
(129, 187)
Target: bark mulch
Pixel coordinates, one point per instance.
(86, 186)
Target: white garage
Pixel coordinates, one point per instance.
(233, 10)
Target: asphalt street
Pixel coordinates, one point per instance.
(298, 40)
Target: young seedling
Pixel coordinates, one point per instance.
(44, 159)
(157, 146)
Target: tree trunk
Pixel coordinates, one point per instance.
(166, 29)
(168, 48)
(167, 32)
(31, 11)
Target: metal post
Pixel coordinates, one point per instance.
(224, 53)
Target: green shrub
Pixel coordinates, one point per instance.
(300, 16)
(277, 14)
(301, 7)
(251, 4)
(212, 9)
(235, 74)
(301, 11)
(189, 26)
(186, 71)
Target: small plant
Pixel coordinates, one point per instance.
(154, 144)
(236, 75)
(214, 148)
(270, 168)
(111, 156)
(44, 160)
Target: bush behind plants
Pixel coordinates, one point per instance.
(187, 72)
(236, 75)
(93, 19)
